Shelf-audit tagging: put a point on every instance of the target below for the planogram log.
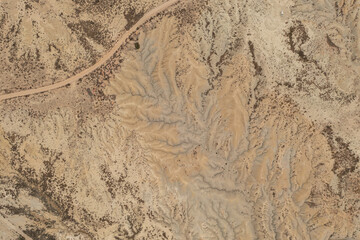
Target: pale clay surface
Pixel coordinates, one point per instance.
(231, 121)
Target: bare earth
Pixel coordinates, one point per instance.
(100, 62)
(154, 119)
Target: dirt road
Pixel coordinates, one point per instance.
(14, 228)
(103, 59)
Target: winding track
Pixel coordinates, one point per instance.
(99, 63)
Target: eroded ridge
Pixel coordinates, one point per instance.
(100, 62)
(211, 123)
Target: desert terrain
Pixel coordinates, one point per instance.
(180, 119)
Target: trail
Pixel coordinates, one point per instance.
(14, 228)
(101, 61)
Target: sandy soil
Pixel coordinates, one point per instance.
(216, 119)
(100, 62)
